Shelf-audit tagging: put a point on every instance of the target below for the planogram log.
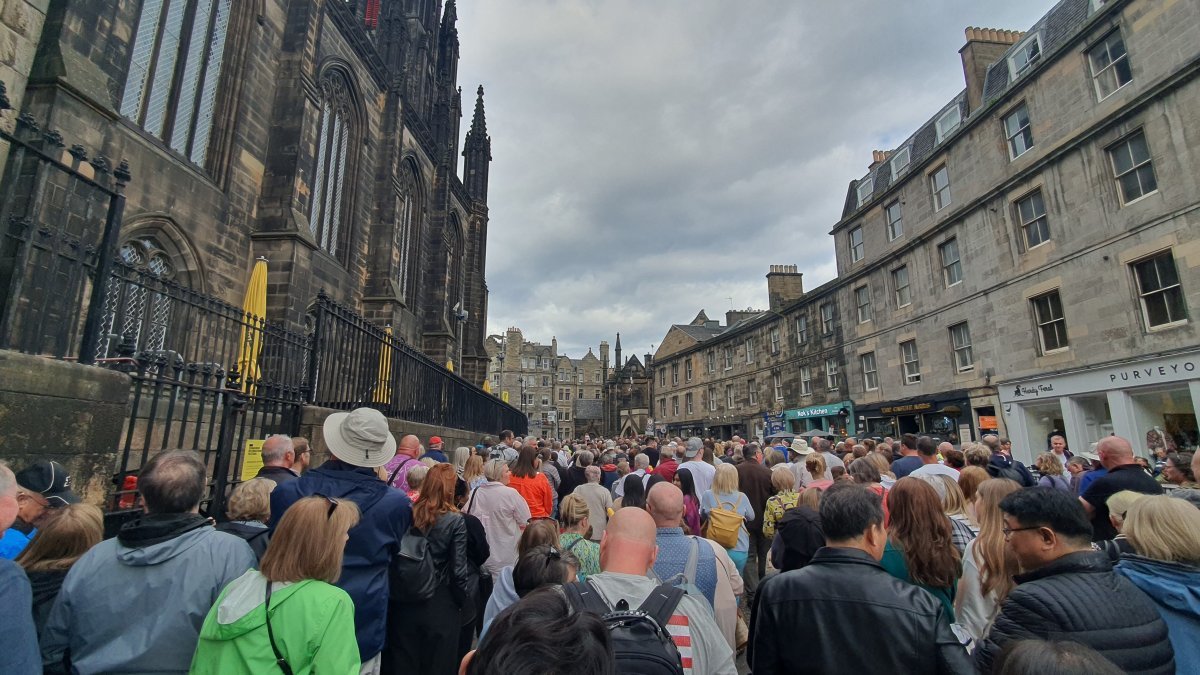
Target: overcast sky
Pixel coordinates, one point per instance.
(653, 157)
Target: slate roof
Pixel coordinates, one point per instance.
(700, 333)
(1056, 31)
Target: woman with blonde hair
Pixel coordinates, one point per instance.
(815, 464)
(59, 543)
(954, 505)
(1050, 467)
(988, 564)
(724, 496)
(423, 632)
(473, 472)
(249, 511)
(459, 459)
(574, 517)
(289, 612)
(783, 481)
(1166, 533)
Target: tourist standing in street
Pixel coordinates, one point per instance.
(290, 611)
(599, 501)
(18, 635)
(1116, 456)
(531, 483)
(725, 496)
(988, 565)
(61, 542)
(919, 547)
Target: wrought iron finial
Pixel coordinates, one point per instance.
(122, 173)
(100, 164)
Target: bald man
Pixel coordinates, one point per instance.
(279, 460)
(18, 636)
(397, 468)
(664, 503)
(1116, 455)
(627, 553)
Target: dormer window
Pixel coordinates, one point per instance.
(948, 122)
(900, 162)
(864, 190)
(1024, 56)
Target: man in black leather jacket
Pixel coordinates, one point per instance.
(1070, 592)
(843, 590)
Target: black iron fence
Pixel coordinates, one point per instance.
(207, 375)
(357, 363)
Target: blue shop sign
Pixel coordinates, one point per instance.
(829, 410)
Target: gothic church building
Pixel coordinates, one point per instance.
(322, 135)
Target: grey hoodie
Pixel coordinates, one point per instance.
(139, 608)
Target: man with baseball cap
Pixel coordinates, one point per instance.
(41, 487)
(702, 472)
(359, 441)
(435, 450)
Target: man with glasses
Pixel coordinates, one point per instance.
(1067, 591)
(41, 487)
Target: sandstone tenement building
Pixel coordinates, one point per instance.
(1025, 262)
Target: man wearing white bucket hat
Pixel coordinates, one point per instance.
(358, 442)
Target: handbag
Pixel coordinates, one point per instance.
(725, 524)
(412, 576)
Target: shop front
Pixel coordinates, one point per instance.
(684, 429)
(946, 416)
(1154, 403)
(836, 418)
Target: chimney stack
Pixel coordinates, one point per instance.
(878, 157)
(984, 47)
(785, 285)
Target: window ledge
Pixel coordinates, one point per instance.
(1167, 326)
(1134, 201)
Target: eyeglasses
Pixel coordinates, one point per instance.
(333, 504)
(1008, 532)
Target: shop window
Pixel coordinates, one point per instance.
(1166, 419)
(870, 372)
(1051, 323)
(911, 361)
(1160, 292)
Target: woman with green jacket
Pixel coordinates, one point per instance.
(288, 618)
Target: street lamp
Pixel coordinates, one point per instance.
(501, 355)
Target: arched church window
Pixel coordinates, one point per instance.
(171, 88)
(411, 210)
(136, 314)
(333, 142)
(454, 266)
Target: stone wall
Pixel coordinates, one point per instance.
(65, 412)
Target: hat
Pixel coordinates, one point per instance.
(800, 447)
(1090, 456)
(694, 445)
(435, 440)
(360, 437)
(50, 480)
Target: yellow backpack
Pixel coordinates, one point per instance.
(725, 524)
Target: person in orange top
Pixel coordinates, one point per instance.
(531, 483)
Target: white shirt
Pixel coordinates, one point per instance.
(702, 474)
(935, 470)
(619, 486)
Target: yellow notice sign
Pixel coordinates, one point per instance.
(252, 458)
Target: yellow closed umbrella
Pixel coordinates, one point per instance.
(383, 382)
(450, 365)
(254, 308)
(487, 387)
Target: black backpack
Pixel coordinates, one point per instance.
(640, 640)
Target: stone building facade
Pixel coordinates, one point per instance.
(552, 389)
(322, 135)
(1027, 261)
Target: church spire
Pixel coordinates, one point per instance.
(477, 149)
(617, 352)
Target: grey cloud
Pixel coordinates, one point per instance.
(652, 158)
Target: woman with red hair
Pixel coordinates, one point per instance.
(919, 548)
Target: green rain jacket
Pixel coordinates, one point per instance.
(313, 624)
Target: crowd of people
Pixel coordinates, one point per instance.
(635, 555)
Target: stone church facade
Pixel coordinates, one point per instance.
(322, 135)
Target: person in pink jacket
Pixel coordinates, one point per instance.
(503, 512)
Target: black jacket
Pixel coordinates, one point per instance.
(45, 586)
(448, 545)
(1003, 466)
(572, 478)
(831, 600)
(257, 537)
(279, 474)
(1079, 598)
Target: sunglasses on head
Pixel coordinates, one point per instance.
(333, 504)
